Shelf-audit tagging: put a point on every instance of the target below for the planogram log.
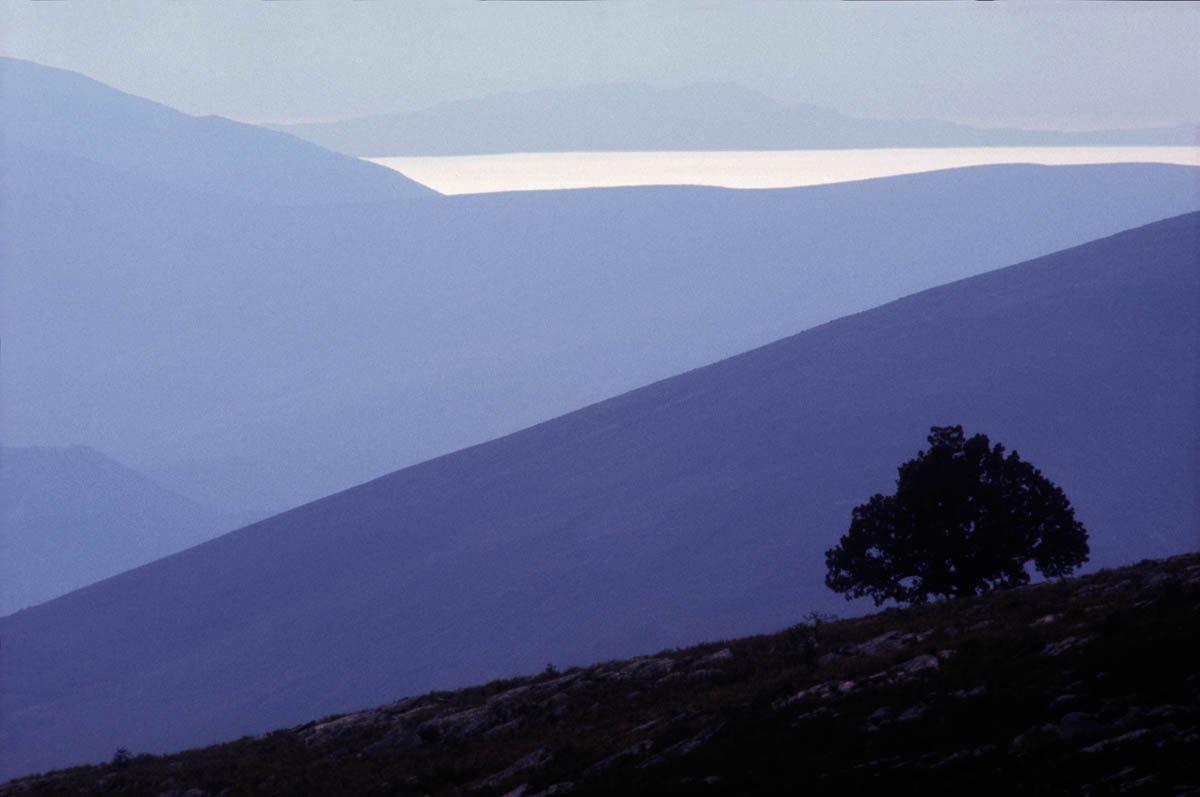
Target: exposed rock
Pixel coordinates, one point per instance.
(879, 718)
(535, 760)
(684, 716)
(883, 643)
(402, 706)
(1124, 738)
(1077, 723)
(507, 727)
(510, 695)
(703, 674)
(721, 656)
(818, 713)
(1157, 580)
(633, 751)
(892, 640)
(1120, 586)
(917, 664)
(564, 681)
(398, 740)
(461, 724)
(882, 714)
(1068, 700)
(329, 730)
(1166, 711)
(1063, 645)
(1035, 739)
(965, 755)
(688, 745)
(822, 690)
(647, 668)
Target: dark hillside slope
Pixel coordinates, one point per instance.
(1080, 686)
(54, 113)
(692, 509)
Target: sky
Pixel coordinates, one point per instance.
(1079, 65)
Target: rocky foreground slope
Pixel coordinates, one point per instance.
(1081, 686)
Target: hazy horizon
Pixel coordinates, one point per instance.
(1080, 66)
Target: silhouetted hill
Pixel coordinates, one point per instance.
(72, 516)
(381, 335)
(695, 508)
(52, 113)
(1082, 686)
(633, 117)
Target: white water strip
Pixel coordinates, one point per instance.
(474, 174)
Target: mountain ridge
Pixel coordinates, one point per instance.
(698, 117)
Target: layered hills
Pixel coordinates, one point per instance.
(635, 117)
(251, 355)
(693, 509)
(235, 314)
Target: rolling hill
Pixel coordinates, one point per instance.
(692, 509)
(52, 114)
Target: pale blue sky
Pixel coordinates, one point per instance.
(1065, 65)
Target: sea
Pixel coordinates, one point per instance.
(539, 171)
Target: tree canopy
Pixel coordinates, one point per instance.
(965, 519)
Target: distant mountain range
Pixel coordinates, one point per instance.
(692, 509)
(634, 117)
(72, 516)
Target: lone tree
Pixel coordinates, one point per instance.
(965, 520)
